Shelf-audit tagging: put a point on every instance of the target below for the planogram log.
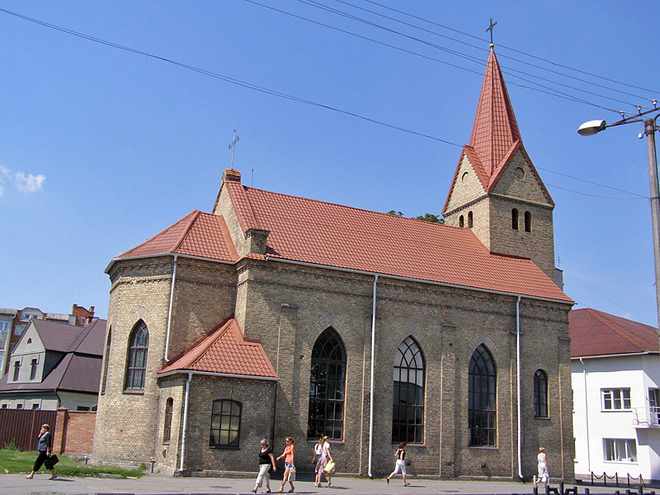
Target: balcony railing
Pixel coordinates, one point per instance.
(648, 417)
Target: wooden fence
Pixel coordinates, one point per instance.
(21, 426)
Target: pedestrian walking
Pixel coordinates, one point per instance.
(45, 448)
(400, 464)
(266, 461)
(322, 455)
(543, 476)
(289, 465)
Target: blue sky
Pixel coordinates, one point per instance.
(101, 148)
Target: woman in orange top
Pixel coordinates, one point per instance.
(288, 454)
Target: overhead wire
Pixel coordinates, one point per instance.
(507, 70)
(512, 49)
(227, 79)
(545, 90)
(262, 89)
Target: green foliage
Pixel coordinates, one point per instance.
(10, 446)
(428, 217)
(13, 461)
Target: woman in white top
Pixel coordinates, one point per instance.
(543, 475)
(321, 456)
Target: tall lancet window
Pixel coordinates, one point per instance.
(136, 366)
(408, 409)
(514, 219)
(482, 377)
(326, 387)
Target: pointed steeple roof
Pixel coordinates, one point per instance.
(495, 131)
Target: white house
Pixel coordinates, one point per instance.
(616, 395)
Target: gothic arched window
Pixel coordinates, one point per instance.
(528, 221)
(481, 399)
(326, 387)
(540, 394)
(514, 219)
(408, 400)
(136, 365)
(470, 220)
(461, 222)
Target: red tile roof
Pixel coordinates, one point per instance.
(310, 231)
(495, 133)
(196, 234)
(224, 351)
(594, 333)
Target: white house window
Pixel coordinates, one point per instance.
(615, 398)
(620, 450)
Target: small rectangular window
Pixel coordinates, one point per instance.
(33, 369)
(615, 399)
(17, 370)
(620, 449)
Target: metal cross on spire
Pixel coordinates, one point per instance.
(490, 28)
(232, 147)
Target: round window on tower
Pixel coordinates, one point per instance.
(520, 173)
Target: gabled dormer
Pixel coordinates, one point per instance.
(496, 191)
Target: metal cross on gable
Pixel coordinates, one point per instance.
(490, 28)
(232, 147)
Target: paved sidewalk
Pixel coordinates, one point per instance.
(16, 484)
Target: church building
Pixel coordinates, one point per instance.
(276, 316)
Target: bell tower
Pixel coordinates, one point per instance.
(496, 191)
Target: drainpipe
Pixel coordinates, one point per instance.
(169, 311)
(185, 421)
(520, 474)
(586, 413)
(371, 389)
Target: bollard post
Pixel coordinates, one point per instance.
(152, 465)
(586, 491)
(536, 490)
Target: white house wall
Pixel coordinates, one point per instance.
(592, 424)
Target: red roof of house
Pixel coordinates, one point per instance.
(224, 350)
(594, 333)
(196, 234)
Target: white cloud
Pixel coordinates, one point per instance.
(25, 183)
(29, 183)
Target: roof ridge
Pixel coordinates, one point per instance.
(347, 207)
(187, 230)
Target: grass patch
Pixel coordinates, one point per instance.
(14, 461)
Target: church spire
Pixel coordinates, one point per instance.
(495, 130)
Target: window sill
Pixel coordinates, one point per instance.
(483, 447)
(134, 391)
(224, 447)
(542, 418)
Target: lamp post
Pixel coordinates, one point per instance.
(650, 127)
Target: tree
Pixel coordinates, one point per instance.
(428, 217)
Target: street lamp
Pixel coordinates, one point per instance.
(650, 127)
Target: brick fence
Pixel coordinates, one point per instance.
(74, 431)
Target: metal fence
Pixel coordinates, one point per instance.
(21, 426)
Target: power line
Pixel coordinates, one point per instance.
(513, 49)
(265, 90)
(228, 79)
(318, 5)
(545, 90)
